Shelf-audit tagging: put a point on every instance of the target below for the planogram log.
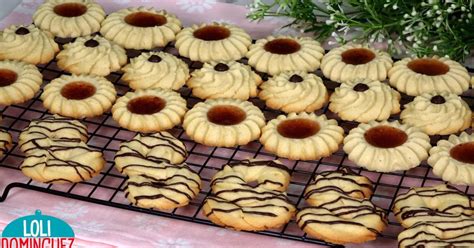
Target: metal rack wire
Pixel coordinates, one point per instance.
(108, 188)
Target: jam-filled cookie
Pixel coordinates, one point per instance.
(224, 122)
(224, 80)
(92, 55)
(28, 44)
(453, 159)
(438, 113)
(364, 100)
(236, 204)
(274, 55)
(294, 91)
(69, 18)
(354, 61)
(213, 42)
(141, 27)
(415, 76)
(5, 142)
(302, 136)
(386, 146)
(79, 96)
(156, 70)
(150, 110)
(19, 81)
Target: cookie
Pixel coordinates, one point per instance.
(213, 42)
(294, 91)
(139, 155)
(453, 159)
(224, 80)
(79, 96)
(236, 204)
(155, 70)
(150, 110)
(355, 61)
(364, 100)
(415, 76)
(386, 146)
(141, 27)
(302, 136)
(28, 44)
(69, 18)
(274, 55)
(19, 81)
(91, 55)
(438, 113)
(5, 142)
(224, 122)
(432, 204)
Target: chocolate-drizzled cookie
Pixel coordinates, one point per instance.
(5, 141)
(236, 204)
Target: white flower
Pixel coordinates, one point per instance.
(20, 212)
(70, 210)
(172, 243)
(88, 226)
(149, 224)
(195, 6)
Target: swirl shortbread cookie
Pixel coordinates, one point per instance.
(91, 55)
(236, 204)
(453, 159)
(69, 18)
(274, 55)
(150, 110)
(354, 61)
(364, 100)
(386, 146)
(302, 136)
(155, 70)
(141, 27)
(213, 42)
(19, 81)
(5, 142)
(415, 76)
(28, 44)
(224, 80)
(443, 113)
(224, 122)
(294, 91)
(79, 96)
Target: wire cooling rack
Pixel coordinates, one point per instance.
(108, 188)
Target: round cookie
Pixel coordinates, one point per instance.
(69, 18)
(150, 110)
(91, 55)
(302, 136)
(213, 42)
(355, 61)
(224, 122)
(386, 146)
(415, 76)
(28, 44)
(236, 204)
(5, 142)
(364, 100)
(443, 113)
(274, 55)
(453, 159)
(141, 27)
(224, 80)
(294, 91)
(79, 96)
(155, 70)
(19, 82)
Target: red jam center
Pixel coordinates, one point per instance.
(210, 33)
(463, 152)
(145, 19)
(226, 115)
(357, 56)
(70, 9)
(430, 67)
(7, 77)
(385, 137)
(282, 46)
(78, 90)
(298, 128)
(146, 105)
